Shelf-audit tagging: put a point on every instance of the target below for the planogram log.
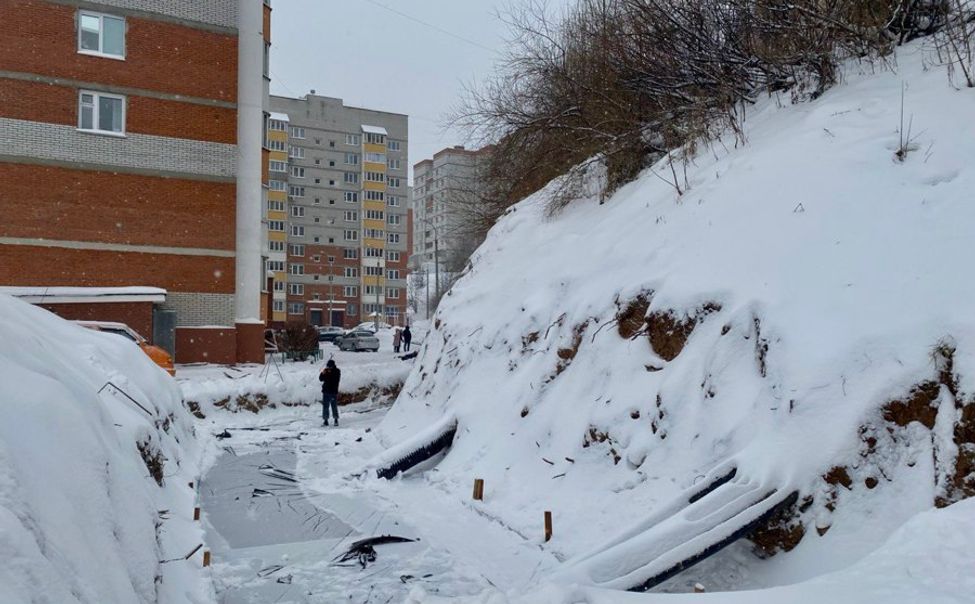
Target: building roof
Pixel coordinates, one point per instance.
(53, 295)
(374, 130)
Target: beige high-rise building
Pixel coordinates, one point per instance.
(346, 202)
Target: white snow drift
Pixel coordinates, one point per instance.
(829, 272)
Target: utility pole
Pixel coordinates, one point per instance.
(426, 286)
(331, 296)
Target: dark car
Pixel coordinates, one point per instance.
(329, 333)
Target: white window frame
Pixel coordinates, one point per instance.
(297, 132)
(297, 230)
(296, 289)
(94, 112)
(276, 165)
(275, 246)
(351, 235)
(297, 172)
(297, 211)
(278, 304)
(351, 139)
(101, 35)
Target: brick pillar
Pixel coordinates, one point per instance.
(250, 342)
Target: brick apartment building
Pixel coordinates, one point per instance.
(131, 166)
(342, 187)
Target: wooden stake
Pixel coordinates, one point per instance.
(196, 513)
(479, 489)
(206, 558)
(548, 526)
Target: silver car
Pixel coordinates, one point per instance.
(358, 340)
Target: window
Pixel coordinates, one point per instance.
(395, 219)
(296, 308)
(351, 235)
(392, 256)
(296, 191)
(277, 166)
(297, 132)
(275, 205)
(276, 125)
(375, 195)
(394, 182)
(392, 292)
(296, 269)
(275, 265)
(352, 310)
(296, 152)
(373, 234)
(351, 216)
(278, 304)
(297, 172)
(394, 145)
(100, 34)
(296, 289)
(279, 286)
(350, 253)
(297, 249)
(274, 145)
(100, 112)
(276, 185)
(374, 214)
(375, 176)
(297, 211)
(392, 273)
(393, 237)
(351, 271)
(375, 139)
(297, 230)
(275, 246)
(393, 164)
(352, 159)
(374, 271)
(351, 197)
(351, 139)
(370, 290)
(393, 201)
(376, 158)
(351, 178)
(275, 225)
(374, 252)
(350, 291)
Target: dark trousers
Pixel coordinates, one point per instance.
(406, 345)
(330, 401)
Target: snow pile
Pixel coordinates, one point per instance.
(96, 452)
(801, 311)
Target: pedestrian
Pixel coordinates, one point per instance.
(329, 377)
(407, 338)
(397, 336)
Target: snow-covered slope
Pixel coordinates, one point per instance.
(809, 304)
(82, 517)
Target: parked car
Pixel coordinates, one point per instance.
(370, 326)
(358, 340)
(329, 333)
(158, 355)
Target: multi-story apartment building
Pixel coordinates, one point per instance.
(276, 224)
(445, 190)
(131, 166)
(347, 226)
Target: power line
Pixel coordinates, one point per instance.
(431, 26)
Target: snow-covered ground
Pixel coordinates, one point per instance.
(82, 517)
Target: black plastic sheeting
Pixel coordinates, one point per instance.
(423, 452)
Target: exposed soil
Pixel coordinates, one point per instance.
(631, 319)
(782, 533)
(153, 459)
(668, 331)
(918, 406)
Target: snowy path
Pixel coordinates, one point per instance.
(279, 507)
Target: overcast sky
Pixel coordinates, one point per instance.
(373, 57)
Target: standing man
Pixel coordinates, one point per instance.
(329, 377)
(397, 336)
(407, 338)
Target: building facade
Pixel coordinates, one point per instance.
(347, 204)
(446, 188)
(131, 156)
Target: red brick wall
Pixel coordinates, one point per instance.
(58, 203)
(41, 102)
(206, 345)
(41, 37)
(40, 266)
(137, 315)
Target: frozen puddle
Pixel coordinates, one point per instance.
(274, 542)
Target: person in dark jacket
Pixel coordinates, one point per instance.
(407, 338)
(329, 377)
